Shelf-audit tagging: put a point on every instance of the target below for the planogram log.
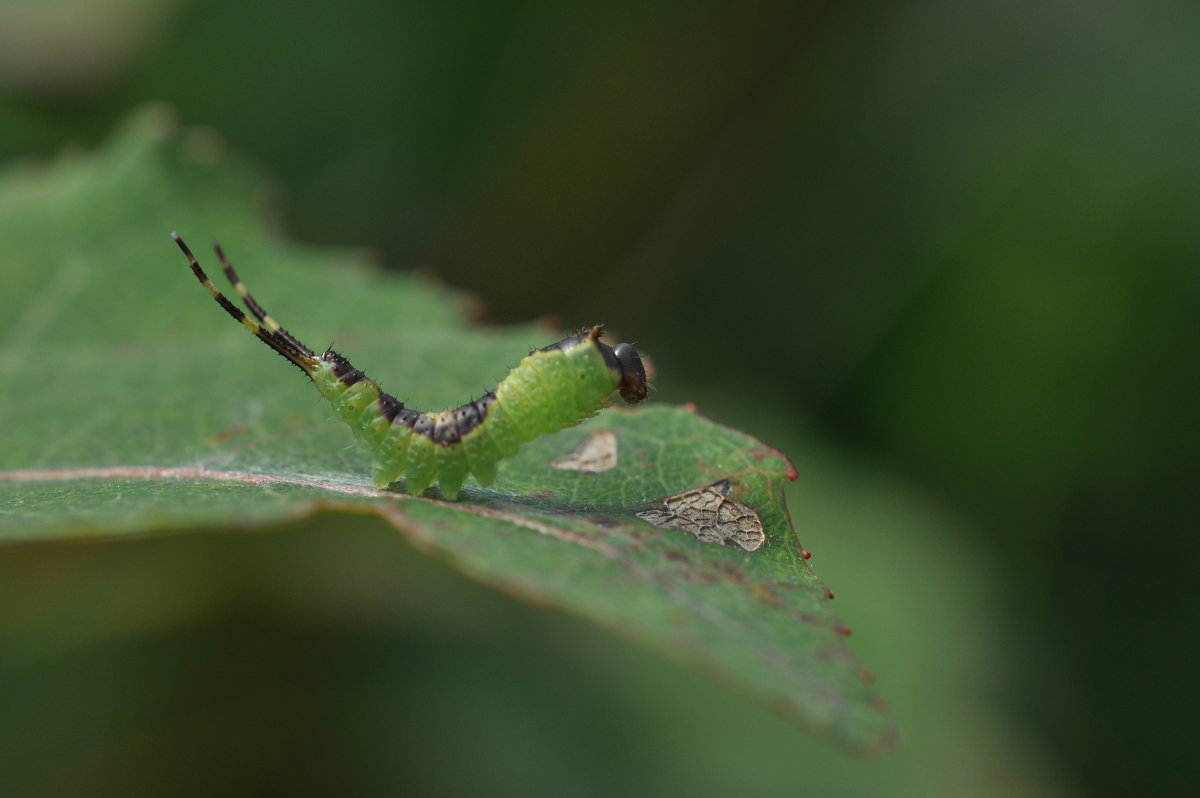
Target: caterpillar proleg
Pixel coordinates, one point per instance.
(552, 388)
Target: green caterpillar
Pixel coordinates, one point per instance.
(552, 388)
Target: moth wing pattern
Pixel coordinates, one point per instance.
(711, 516)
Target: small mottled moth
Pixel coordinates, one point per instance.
(552, 388)
(710, 515)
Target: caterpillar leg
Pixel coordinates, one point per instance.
(451, 469)
(421, 467)
(391, 455)
(482, 456)
(382, 477)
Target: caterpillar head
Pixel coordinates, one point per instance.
(622, 359)
(633, 386)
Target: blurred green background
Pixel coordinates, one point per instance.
(942, 253)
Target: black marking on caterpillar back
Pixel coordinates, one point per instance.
(408, 417)
(581, 336)
(473, 414)
(445, 430)
(423, 425)
(466, 418)
(389, 406)
(343, 369)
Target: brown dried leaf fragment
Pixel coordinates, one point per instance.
(710, 515)
(597, 453)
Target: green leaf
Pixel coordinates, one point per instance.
(134, 406)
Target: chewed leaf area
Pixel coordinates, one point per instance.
(710, 515)
(596, 454)
(159, 415)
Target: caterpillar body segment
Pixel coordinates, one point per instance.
(552, 388)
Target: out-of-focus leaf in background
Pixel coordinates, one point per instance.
(942, 254)
(59, 49)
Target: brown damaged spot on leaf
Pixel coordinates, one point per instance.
(711, 516)
(597, 453)
(734, 575)
(763, 594)
(763, 452)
